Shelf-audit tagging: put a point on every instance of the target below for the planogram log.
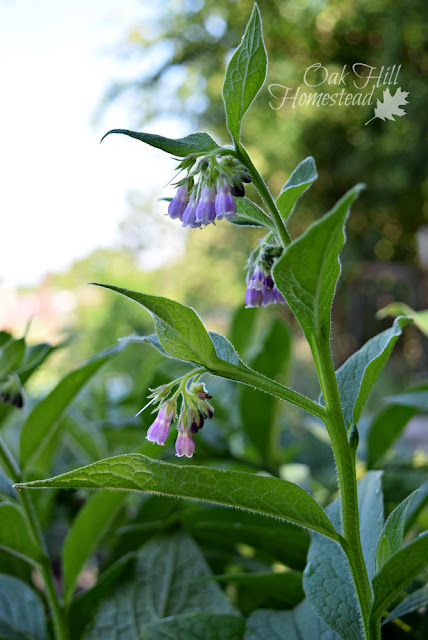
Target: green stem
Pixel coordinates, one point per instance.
(45, 566)
(263, 190)
(261, 382)
(344, 457)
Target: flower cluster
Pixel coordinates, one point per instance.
(220, 178)
(195, 409)
(261, 288)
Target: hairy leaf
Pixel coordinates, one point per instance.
(393, 532)
(397, 572)
(245, 74)
(307, 272)
(181, 147)
(179, 329)
(169, 581)
(358, 374)
(301, 178)
(301, 623)
(135, 472)
(249, 214)
(22, 615)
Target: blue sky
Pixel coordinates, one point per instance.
(63, 194)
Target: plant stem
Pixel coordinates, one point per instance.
(346, 475)
(264, 192)
(261, 382)
(45, 566)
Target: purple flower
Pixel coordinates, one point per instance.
(189, 215)
(178, 204)
(262, 291)
(225, 205)
(184, 445)
(253, 298)
(205, 211)
(158, 432)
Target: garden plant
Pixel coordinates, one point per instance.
(275, 564)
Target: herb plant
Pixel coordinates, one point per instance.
(156, 582)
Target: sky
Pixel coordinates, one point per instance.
(62, 193)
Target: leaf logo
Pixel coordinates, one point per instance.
(390, 106)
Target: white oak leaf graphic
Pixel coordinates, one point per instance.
(390, 106)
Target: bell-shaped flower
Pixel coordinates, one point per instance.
(158, 432)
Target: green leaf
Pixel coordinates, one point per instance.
(181, 147)
(417, 505)
(245, 74)
(307, 272)
(414, 601)
(397, 572)
(301, 178)
(393, 532)
(258, 410)
(416, 399)
(44, 420)
(249, 214)
(86, 531)
(15, 535)
(12, 354)
(327, 578)
(196, 626)
(22, 615)
(284, 588)
(301, 623)
(276, 540)
(358, 374)
(169, 581)
(242, 329)
(420, 318)
(179, 329)
(384, 429)
(135, 472)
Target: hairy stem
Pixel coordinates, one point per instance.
(264, 192)
(344, 457)
(261, 382)
(45, 566)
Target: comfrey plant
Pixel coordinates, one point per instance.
(357, 569)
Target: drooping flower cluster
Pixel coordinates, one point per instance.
(211, 197)
(261, 288)
(195, 409)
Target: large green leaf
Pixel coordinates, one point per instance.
(179, 329)
(301, 178)
(393, 531)
(12, 353)
(301, 623)
(242, 329)
(87, 529)
(245, 74)
(273, 588)
(6, 487)
(397, 572)
(307, 272)
(327, 578)
(193, 143)
(196, 626)
(249, 214)
(22, 615)
(15, 535)
(258, 410)
(358, 374)
(414, 601)
(44, 420)
(135, 472)
(169, 581)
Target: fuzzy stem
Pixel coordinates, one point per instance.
(264, 192)
(344, 457)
